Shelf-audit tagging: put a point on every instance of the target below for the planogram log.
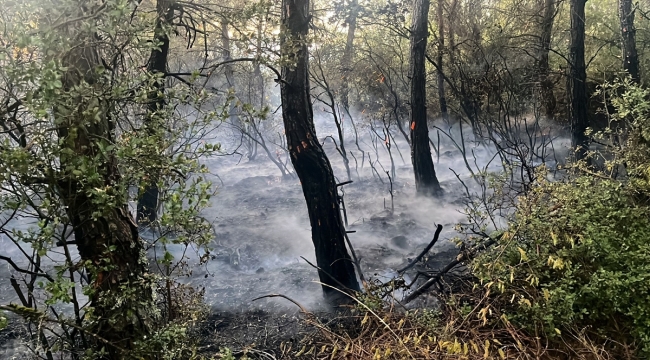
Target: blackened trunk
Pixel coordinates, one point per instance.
(106, 235)
(307, 155)
(441, 49)
(148, 199)
(426, 182)
(346, 60)
(546, 85)
(628, 39)
(577, 80)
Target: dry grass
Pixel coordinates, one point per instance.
(475, 330)
(467, 325)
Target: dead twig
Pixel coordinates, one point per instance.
(462, 257)
(302, 309)
(24, 271)
(424, 252)
(326, 273)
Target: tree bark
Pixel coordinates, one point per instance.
(628, 40)
(148, 200)
(442, 99)
(257, 72)
(545, 84)
(307, 155)
(346, 60)
(225, 52)
(426, 182)
(121, 301)
(577, 80)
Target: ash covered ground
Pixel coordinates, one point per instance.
(262, 230)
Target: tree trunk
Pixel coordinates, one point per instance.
(258, 71)
(148, 200)
(307, 155)
(628, 41)
(106, 235)
(475, 14)
(225, 53)
(577, 80)
(426, 182)
(346, 60)
(441, 49)
(545, 83)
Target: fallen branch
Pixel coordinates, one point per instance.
(302, 309)
(424, 252)
(462, 257)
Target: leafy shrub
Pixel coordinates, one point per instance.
(577, 252)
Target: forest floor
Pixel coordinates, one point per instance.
(261, 220)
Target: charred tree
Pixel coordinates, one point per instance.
(157, 66)
(346, 60)
(441, 50)
(106, 235)
(545, 84)
(307, 155)
(426, 182)
(577, 80)
(628, 39)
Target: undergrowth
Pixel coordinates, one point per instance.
(569, 278)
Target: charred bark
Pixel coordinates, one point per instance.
(148, 199)
(105, 234)
(346, 60)
(545, 84)
(309, 160)
(628, 39)
(257, 71)
(441, 49)
(426, 182)
(577, 80)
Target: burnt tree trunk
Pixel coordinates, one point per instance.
(577, 80)
(148, 199)
(307, 155)
(441, 49)
(426, 182)
(545, 84)
(346, 60)
(106, 235)
(628, 39)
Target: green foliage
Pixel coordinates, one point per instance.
(79, 143)
(429, 319)
(576, 252)
(3, 321)
(226, 354)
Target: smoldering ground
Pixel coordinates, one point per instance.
(262, 232)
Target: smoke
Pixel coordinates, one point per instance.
(262, 229)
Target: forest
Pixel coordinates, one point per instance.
(309, 179)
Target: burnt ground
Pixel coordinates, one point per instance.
(261, 220)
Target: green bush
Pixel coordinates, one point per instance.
(576, 253)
